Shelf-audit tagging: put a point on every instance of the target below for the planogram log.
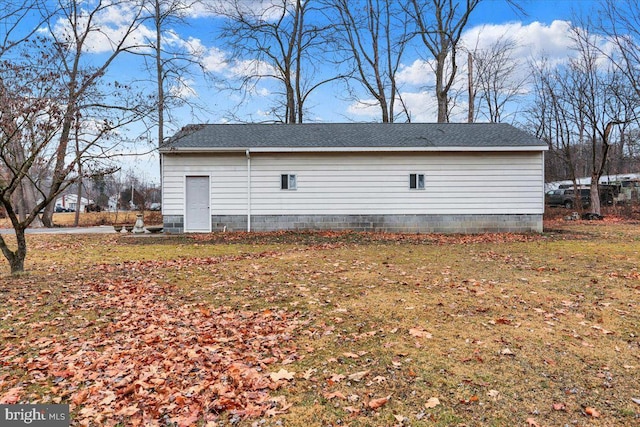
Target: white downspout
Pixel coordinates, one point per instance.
(248, 190)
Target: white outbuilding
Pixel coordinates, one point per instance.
(402, 177)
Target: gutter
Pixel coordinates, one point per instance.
(248, 154)
(196, 150)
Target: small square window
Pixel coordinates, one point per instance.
(416, 181)
(288, 181)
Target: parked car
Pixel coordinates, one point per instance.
(566, 197)
(92, 207)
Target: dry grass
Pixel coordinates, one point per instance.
(67, 219)
(503, 330)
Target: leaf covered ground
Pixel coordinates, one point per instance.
(328, 329)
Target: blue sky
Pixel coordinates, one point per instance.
(541, 31)
(544, 11)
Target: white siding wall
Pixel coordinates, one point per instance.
(228, 182)
(474, 183)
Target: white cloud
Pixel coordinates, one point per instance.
(364, 108)
(171, 38)
(183, 89)
(420, 72)
(268, 10)
(422, 106)
(216, 60)
(535, 40)
(252, 67)
(264, 114)
(110, 24)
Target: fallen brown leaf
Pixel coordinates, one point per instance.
(12, 396)
(308, 373)
(419, 333)
(378, 403)
(507, 352)
(336, 378)
(335, 394)
(358, 375)
(592, 412)
(432, 402)
(282, 374)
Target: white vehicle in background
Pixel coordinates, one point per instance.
(628, 190)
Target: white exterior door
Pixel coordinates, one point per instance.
(197, 215)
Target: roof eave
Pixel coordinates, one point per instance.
(201, 150)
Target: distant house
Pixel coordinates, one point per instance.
(409, 177)
(69, 203)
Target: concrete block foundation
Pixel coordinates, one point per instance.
(425, 223)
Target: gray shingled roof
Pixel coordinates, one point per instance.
(216, 137)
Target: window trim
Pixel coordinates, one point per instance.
(416, 181)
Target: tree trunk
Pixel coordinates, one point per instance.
(76, 220)
(47, 215)
(18, 200)
(16, 258)
(598, 168)
(594, 193)
(298, 59)
(291, 104)
(28, 193)
(25, 194)
(159, 73)
(17, 265)
(385, 112)
(471, 88)
(441, 92)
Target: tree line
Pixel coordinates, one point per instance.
(65, 119)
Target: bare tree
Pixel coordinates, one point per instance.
(57, 113)
(590, 100)
(550, 118)
(371, 36)
(13, 33)
(79, 22)
(439, 25)
(620, 23)
(600, 95)
(170, 64)
(498, 80)
(30, 118)
(279, 42)
(13, 14)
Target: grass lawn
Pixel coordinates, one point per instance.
(328, 329)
